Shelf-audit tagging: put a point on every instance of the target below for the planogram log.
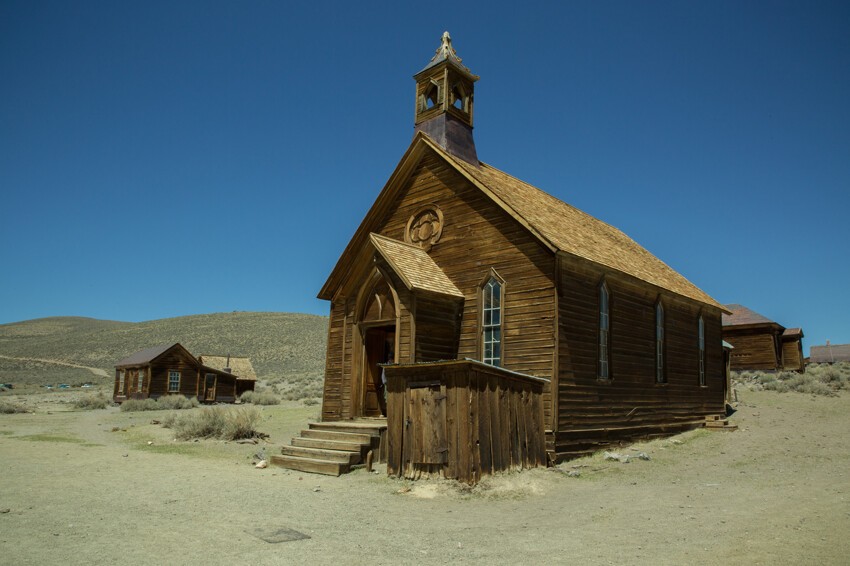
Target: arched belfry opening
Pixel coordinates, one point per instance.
(444, 101)
(377, 322)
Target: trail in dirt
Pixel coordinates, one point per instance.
(96, 371)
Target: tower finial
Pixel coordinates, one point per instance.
(445, 50)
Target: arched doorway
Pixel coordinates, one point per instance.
(378, 317)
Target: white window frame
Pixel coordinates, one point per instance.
(174, 386)
(492, 319)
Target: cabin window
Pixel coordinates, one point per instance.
(121, 381)
(141, 383)
(660, 377)
(173, 381)
(701, 332)
(492, 322)
(604, 327)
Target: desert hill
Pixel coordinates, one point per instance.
(282, 346)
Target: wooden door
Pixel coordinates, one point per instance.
(426, 423)
(209, 387)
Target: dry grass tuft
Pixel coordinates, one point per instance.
(7, 408)
(230, 423)
(163, 403)
(260, 398)
(90, 402)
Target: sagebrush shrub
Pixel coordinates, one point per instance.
(89, 402)
(260, 398)
(163, 403)
(224, 423)
(7, 408)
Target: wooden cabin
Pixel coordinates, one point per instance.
(171, 370)
(829, 354)
(241, 367)
(761, 343)
(457, 260)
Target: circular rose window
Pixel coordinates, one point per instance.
(425, 227)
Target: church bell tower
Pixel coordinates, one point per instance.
(445, 91)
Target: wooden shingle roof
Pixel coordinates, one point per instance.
(742, 316)
(567, 229)
(146, 355)
(414, 266)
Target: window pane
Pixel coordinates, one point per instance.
(497, 316)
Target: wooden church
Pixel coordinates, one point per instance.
(494, 326)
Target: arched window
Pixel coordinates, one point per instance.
(660, 376)
(604, 328)
(701, 331)
(491, 309)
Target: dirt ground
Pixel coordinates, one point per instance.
(72, 491)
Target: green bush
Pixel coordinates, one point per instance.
(90, 402)
(163, 403)
(260, 398)
(215, 422)
(7, 408)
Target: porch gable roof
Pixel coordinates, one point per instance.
(414, 266)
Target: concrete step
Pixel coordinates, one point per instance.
(330, 455)
(359, 438)
(311, 465)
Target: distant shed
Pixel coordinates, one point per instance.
(829, 354)
(760, 343)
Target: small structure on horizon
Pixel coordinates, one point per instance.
(170, 369)
(760, 343)
(829, 354)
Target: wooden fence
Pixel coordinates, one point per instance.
(462, 419)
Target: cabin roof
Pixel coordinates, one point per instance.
(830, 353)
(240, 367)
(415, 267)
(559, 226)
(146, 355)
(742, 316)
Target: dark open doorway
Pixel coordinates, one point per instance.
(379, 346)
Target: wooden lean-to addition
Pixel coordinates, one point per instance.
(457, 260)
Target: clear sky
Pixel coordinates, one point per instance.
(160, 159)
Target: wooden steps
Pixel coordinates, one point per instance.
(332, 448)
(717, 422)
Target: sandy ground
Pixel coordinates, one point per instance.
(72, 491)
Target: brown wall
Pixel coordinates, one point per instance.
(753, 349)
(792, 355)
(174, 360)
(631, 403)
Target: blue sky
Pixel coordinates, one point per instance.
(159, 159)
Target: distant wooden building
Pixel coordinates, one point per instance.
(829, 354)
(171, 369)
(760, 343)
(458, 260)
(241, 367)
